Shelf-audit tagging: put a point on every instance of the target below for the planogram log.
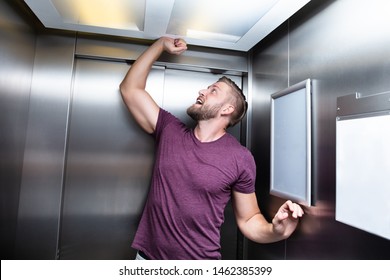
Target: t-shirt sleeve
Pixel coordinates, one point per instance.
(164, 119)
(247, 174)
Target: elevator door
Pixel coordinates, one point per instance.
(109, 160)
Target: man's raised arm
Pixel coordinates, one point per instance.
(137, 99)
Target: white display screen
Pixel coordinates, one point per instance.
(363, 173)
(291, 143)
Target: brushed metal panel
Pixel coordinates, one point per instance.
(109, 160)
(269, 75)
(341, 55)
(195, 58)
(17, 50)
(41, 187)
(108, 166)
(353, 104)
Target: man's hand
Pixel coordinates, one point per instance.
(286, 219)
(174, 46)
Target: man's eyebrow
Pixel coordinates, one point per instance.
(213, 85)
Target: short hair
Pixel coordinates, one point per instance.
(240, 103)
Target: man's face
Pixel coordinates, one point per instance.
(209, 102)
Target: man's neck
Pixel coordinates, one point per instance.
(207, 131)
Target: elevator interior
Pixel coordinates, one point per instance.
(74, 167)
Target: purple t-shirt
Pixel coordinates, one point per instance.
(191, 185)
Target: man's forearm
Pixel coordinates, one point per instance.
(259, 230)
(137, 75)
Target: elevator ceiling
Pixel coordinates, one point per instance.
(226, 24)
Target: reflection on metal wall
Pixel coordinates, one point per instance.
(87, 165)
(108, 165)
(17, 49)
(342, 55)
(109, 159)
(42, 177)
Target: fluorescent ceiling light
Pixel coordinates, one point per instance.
(122, 14)
(222, 20)
(204, 35)
(226, 24)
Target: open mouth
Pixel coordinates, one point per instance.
(199, 101)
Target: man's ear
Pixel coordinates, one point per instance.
(228, 109)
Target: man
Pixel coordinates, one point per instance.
(197, 170)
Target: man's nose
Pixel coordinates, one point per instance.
(202, 92)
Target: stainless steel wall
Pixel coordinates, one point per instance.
(86, 165)
(343, 46)
(17, 49)
(108, 164)
(43, 164)
(109, 159)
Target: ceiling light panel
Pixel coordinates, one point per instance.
(120, 14)
(225, 24)
(219, 20)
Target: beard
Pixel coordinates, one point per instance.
(203, 113)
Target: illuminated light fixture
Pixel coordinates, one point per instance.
(203, 35)
(225, 24)
(220, 20)
(118, 14)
